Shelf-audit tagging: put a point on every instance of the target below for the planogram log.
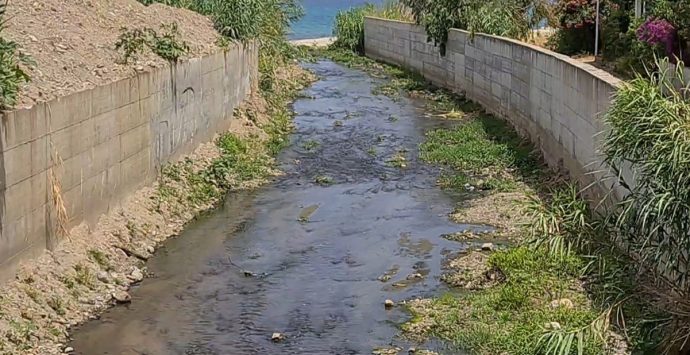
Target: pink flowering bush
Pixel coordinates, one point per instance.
(658, 32)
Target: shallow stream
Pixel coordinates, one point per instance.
(317, 242)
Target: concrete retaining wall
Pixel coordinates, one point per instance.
(554, 100)
(104, 143)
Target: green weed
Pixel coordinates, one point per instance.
(57, 305)
(12, 76)
(100, 258)
(84, 276)
(167, 45)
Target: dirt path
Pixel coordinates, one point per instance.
(355, 220)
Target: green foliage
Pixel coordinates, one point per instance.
(510, 317)
(167, 45)
(12, 76)
(482, 148)
(650, 132)
(349, 25)
(512, 18)
(562, 225)
(349, 28)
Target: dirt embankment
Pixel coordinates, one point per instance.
(72, 42)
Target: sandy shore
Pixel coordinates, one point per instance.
(314, 42)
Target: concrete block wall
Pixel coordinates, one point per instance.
(554, 100)
(104, 143)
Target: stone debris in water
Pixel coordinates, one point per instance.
(488, 247)
(389, 304)
(69, 349)
(276, 337)
(386, 351)
(136, 275)
(414, 276)
(122, 297)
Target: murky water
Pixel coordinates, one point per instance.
(317, 250)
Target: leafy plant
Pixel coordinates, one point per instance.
(349, 24)
(131, 43)
(12, 76)
(167, 46)
(562, 225)
(649, 134)
(512, 18)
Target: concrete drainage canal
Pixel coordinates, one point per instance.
(355, 220)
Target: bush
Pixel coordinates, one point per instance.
(511, 18)
(167, 46)
(349, 28)
(576, 24)
(11, 74)
(349, 25)
(649, 133)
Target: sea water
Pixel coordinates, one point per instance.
(319, 16)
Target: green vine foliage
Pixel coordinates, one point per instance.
(12, 76)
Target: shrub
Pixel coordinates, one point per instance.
(512, 18)
(167, 46)
(650, 133)
(11, 74)
(349, 28)
(576, 22)
(349, 25)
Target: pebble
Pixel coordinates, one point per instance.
(276, 337)
(122, 297)
(488, 247)
(69, 349)
(389, 303)
(563, 302)
(33, 38)
(103, 276)
(136, 275)
(414, 276)
(150, 249)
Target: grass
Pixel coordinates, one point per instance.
(100, 258)
(483, 151)
(84, 276)
(510, 318)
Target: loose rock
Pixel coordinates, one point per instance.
(69, 349)
(276, 337)
(122, 297)
(389, 304)
(136, 275)
(414, 276)
(103, 276)
(488, 247)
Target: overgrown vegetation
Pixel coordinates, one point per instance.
(12, 76)
(166, 45)
(650, 135)
(349, 25)
(510, 18)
